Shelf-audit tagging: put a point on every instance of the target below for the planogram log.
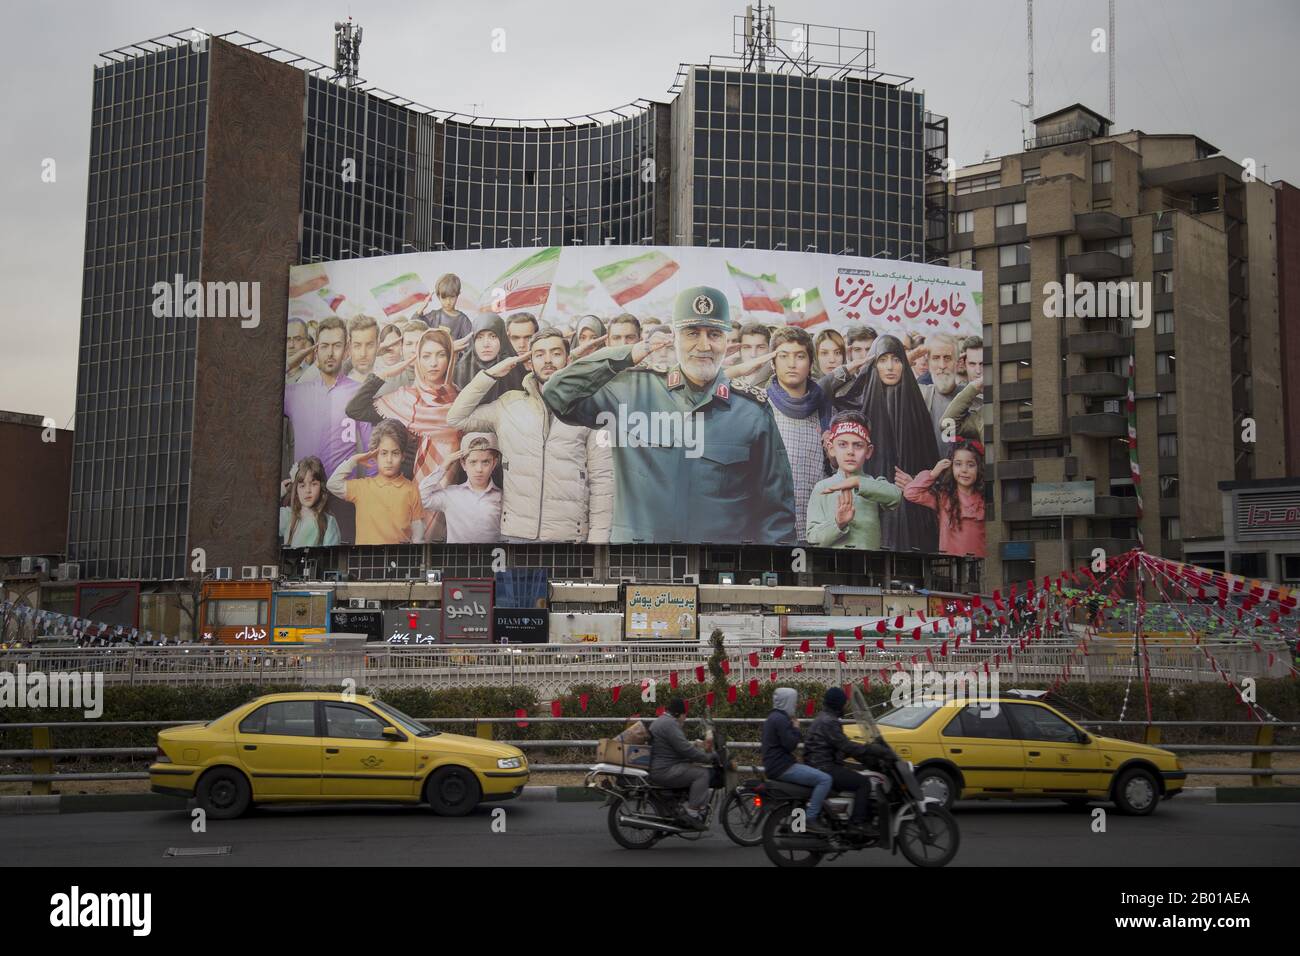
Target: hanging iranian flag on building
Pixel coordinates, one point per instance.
(401, 293)
(760, 293)
(814, 310)
(525, 285)
(630, 279)
(1134, 468)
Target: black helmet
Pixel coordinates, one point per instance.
(834, 700)
(677, 706)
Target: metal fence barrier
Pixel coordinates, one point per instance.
(552, 669)
(42, 753)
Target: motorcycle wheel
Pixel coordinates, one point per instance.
(630, 838)
(776, 826)
(941, 845)
(742, 820)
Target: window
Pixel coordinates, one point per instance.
(975, 721)
(285, 718)
(965, 222)
(1013, 333)
(1165, 281)
(228, 612)
(1101, 171)
(1017, 412)
(1167, 443)
(1011, 372)
(1171, 529)
(1013, 293)
(1034, 531)
(1168, 486)
(1029, 175)
(1162, 241)
(1014, 255)
(1010, 214)
(355, 723)
(1022, 451)
(1016, 490)
(1121, 246)
(962, 259)
(1039, 723)
(1167, 403)
(978, 184)
(1165, 322)
(1165, 363)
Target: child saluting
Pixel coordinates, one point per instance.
(852, 518)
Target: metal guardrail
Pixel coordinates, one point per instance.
(553, 669)
(42, 754)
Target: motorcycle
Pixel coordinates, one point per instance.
(641, 814)
(906, 820)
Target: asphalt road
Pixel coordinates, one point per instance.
(544, 833)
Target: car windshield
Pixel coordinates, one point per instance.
(909, 718)
(409, 724)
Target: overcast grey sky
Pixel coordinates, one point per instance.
(1228, 72)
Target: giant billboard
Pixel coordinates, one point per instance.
(681, 394)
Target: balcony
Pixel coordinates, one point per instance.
(1097, 344)
(1115, 506)
(1017, 511)
(1098, 383)
(1016, 468)
(1099, 425)
(1098, 225)
(1095, 265)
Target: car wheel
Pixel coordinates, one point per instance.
(938, 783)
(452, 792)
(223, 793)
(1136, 792)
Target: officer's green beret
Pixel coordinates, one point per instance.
(702, 305)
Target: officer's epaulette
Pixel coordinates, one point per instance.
(750, 391)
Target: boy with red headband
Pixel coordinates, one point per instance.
(851, 519)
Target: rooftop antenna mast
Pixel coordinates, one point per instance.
(760, 34)
(347, 52)
(1029, 7)
(1110, 54)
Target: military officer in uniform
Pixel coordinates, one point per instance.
(735, 487)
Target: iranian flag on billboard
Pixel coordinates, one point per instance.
(398, 295)
(630, 279)
(525, 285)
(761, 293)
(813, 311)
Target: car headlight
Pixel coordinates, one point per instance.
(510, 763)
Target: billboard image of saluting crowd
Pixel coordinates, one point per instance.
(634, 394)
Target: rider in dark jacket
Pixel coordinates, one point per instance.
(781, 739)
(826, 746)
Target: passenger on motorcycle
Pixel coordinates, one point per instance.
(827, 746)
(674, 759)
(781, 738)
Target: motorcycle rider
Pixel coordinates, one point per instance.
(781, 738)
(826, 748)
(674, 759)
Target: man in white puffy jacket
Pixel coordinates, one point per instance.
(559, 478)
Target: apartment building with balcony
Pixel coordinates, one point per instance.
(1082, 206)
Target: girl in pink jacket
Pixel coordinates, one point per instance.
(955, 489)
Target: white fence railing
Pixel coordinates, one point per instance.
(552, 669)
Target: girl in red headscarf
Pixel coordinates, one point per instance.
(955, 489)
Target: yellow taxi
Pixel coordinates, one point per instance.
(307, 748)
(1021, 748)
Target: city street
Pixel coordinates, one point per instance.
(574, 834)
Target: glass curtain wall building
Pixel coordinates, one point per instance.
(135, 372)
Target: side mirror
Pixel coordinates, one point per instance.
(391, 733)
(1084, 738)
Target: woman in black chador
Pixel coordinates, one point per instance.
(902, 432)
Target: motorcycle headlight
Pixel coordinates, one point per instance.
(510, 763)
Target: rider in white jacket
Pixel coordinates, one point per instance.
(559, 478)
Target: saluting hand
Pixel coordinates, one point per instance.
(393, 371)
(660, 339)
(589, 346)
(750, 366)
(502, 368)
